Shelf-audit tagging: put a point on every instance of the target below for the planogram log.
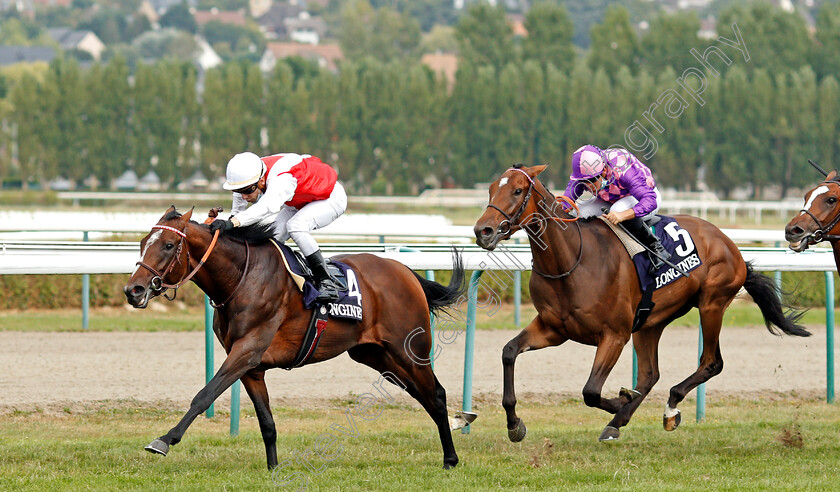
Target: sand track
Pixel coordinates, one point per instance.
(48, 370)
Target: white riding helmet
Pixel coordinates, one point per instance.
(242, 170)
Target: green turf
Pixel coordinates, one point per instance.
(742, 445)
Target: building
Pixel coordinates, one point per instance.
(70, 39)
(234, 17)
(325, 55)
(10, 55)
(305, 29)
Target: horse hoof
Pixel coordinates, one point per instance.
(627, 395)
(517, 433)
(610, 434)
(158, 447)
(449, 466)
(672, 422)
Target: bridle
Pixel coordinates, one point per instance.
(822, 232)
(513, 221)
(160, 287)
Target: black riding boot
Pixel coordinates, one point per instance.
(637, 227)
(327, 286)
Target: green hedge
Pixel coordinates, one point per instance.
(64, 291)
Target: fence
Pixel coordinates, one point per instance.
(98, 258)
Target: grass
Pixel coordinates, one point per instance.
(192, 319)
(742, 445)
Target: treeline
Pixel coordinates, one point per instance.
(750, 116)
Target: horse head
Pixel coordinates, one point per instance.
(164, 259)
(510, 206)
(818, 218)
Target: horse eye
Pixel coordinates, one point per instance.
(518, 191)
(831, 200)
(170, 245)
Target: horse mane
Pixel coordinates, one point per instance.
(256, 233)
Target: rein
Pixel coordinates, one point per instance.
(822, 232)
(157, 283)
(515, 219)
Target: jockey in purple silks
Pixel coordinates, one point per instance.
(616, 181)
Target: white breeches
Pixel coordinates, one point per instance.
(594, 206)
(298, 224)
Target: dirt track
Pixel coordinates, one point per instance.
(50, 370)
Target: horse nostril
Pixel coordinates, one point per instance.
(796, 230)
(487, 232)
(134, 291)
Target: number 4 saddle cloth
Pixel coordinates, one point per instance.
(349, 304)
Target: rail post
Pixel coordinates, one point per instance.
(85, 294)
(208, 348)
(469, 344)
(829, 336)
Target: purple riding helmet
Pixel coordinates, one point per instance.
(587, 163)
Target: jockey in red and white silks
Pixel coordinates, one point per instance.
(298, 191)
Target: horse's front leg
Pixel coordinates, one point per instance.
(535, 336)
(254, 382)
(607, 354)
(244, 355)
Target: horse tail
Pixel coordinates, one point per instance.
(440, 296)
(768, 296)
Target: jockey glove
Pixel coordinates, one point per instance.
(223, 225)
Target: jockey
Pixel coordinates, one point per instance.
(621, 187)
(299, 192)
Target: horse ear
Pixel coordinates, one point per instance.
(186, 217)
(536, 170)
(831, 176)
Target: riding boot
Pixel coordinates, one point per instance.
(637, 227)
(327, 286)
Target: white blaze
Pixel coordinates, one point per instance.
(502, 182)
(817, 192)
(152, 240)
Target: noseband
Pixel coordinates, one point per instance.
(157, 284)
(822, 232)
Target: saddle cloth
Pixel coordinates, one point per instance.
(676, 240)
(349, 304)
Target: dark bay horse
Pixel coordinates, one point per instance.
(819, 219)
(585, 288)
(262, 321)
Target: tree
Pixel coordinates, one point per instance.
(775, 40)
(669, 41)
(179, 17)
(826, 50)
(614, 42)
(383, 34)
(484, 37)
(549, 37)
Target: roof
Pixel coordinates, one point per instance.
(223, 16)
(317, 24)
(10, 55)
(330, 53)
(67, 38)
(273, 19)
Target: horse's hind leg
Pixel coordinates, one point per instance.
(535, 336)
(419, 381)
(646, 344)
(254, 382)
(711, 362)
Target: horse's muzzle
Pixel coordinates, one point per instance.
(137, 295)
(486, 237)
(798, 238)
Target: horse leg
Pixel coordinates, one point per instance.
(646, 344)
(419, 381)
(607, 354)
(254, 383)
(245, 354)
(711, 362)
(534, 336)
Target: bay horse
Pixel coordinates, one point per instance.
(261, 321)
(819, 219)
(585, 288)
